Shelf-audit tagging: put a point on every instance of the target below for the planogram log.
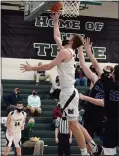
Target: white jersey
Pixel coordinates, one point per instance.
(66, 72)
(17, 120)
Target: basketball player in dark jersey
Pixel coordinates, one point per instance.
(94, 114)
(111, 106)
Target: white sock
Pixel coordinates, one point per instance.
(84, 151)
(93, 146)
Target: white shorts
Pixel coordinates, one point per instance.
(15, 138)
(72, 111)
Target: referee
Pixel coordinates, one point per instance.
(63, 137)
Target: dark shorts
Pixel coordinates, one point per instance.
(111, 134)
(94, 126)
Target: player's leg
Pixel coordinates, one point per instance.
(89, 127)
(17, 143)
(72, 116)
(110, 140)
(80, 133)
(9, 140)
(89, 139)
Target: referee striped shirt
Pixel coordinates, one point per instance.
(63, 126)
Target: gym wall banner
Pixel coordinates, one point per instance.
(34, 39)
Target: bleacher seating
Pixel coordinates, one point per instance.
(43, 127)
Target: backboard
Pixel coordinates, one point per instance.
(33, 8)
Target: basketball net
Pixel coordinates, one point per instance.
(70, 8)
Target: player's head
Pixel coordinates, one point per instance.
(115, 74)
(19, 106)
(74, 40)
(31, 122)
(108, 70)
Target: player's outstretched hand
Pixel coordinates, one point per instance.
(55, 17)
(87, 44)
(25, 67)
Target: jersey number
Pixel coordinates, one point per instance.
(99, 96)
(17, 124)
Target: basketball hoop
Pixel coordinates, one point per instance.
(70, 8)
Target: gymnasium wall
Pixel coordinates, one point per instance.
(11, 68)
(107, 9)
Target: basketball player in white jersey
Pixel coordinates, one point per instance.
(65, 65)
(15, 124)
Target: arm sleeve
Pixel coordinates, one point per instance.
(57, 123)
(54, 113)
(29, 101)
(39, 102)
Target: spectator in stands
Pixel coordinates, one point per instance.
(41, 75)
(82, 79)
(29, 140)
(63, 137)
(77, 69)
(34, 103)
(56, 114)
(55, 90)
(12, 99)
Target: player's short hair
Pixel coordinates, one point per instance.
(77, 41)
(93, 69)
(116, 73)
(20, 102)
(111, 68)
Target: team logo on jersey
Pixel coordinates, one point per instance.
(70, 111)
(17, 119)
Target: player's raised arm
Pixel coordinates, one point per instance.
(95, 63)
(57, 35)
(93, 77)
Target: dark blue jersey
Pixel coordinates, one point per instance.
(96, 112)
(111, 97)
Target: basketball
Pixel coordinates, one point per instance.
(56, 7)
